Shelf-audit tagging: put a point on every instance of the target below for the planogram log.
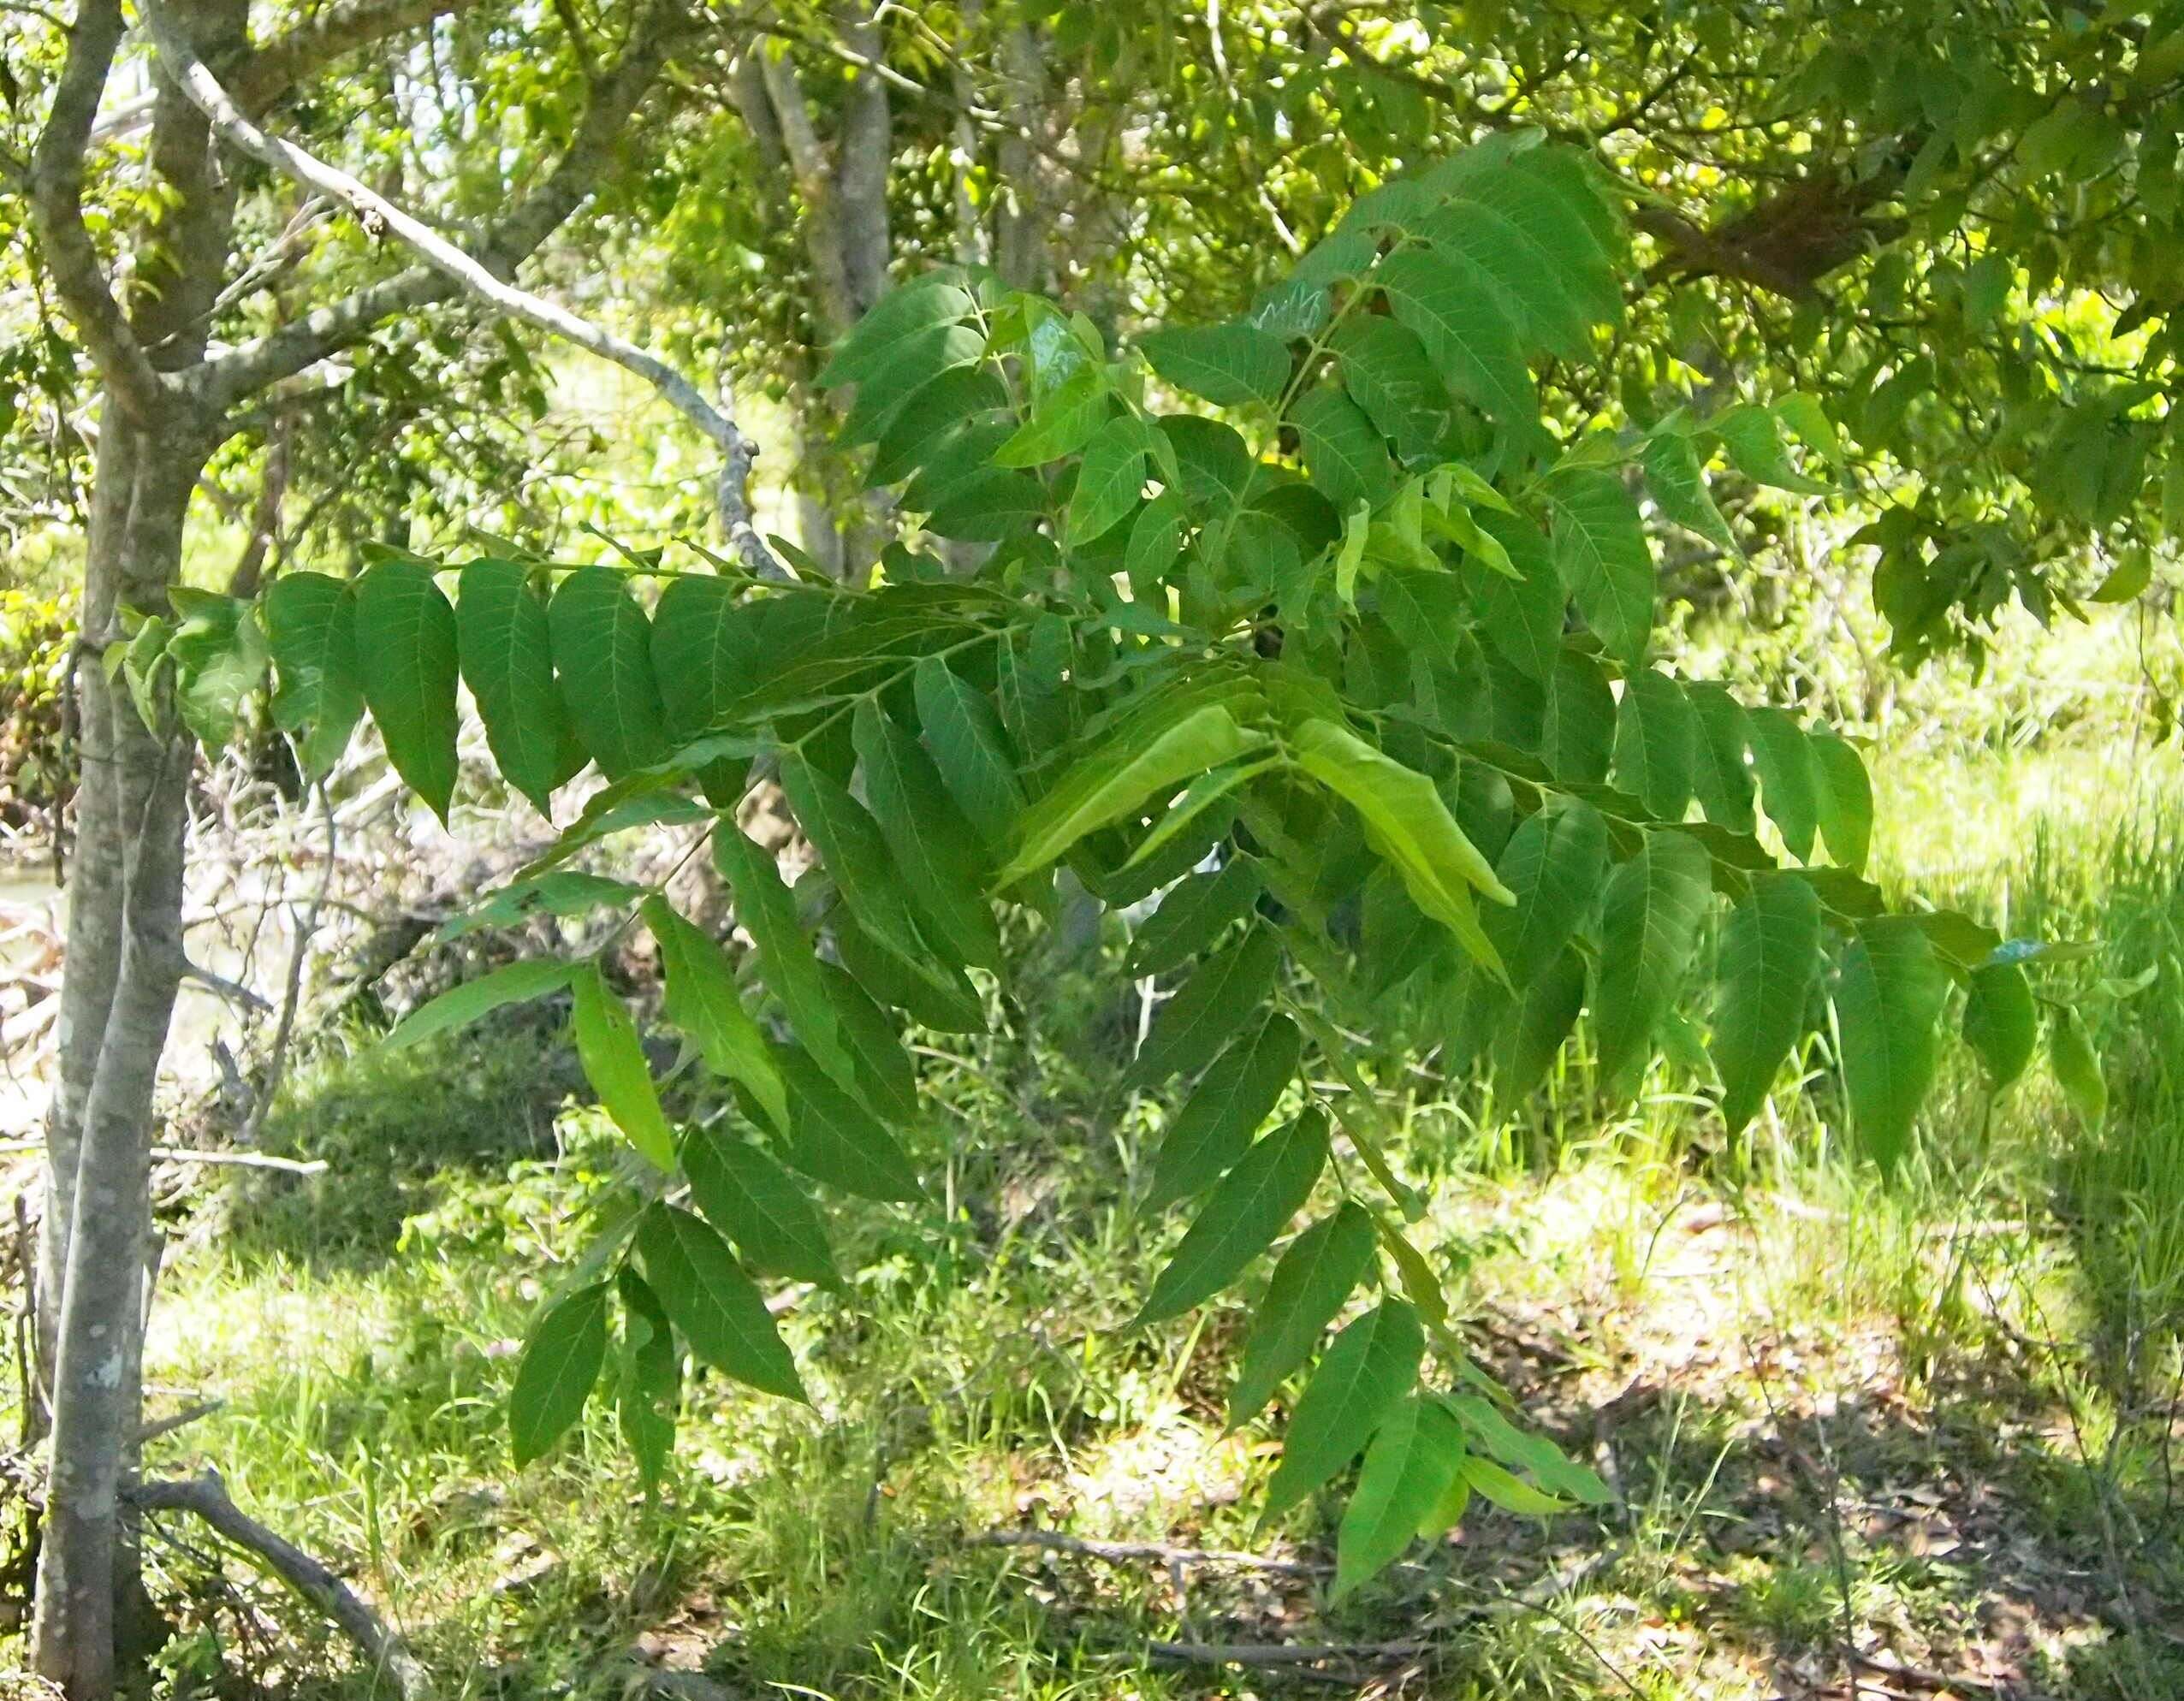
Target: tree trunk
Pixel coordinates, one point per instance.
(124, 943)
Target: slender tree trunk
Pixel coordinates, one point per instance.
(126, 917)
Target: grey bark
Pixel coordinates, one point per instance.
(167, 407)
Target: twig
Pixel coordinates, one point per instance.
(277, 1060)
(180, 1154)
(206, 1497)
(181, 1420)
(1277, 1654)
(1123, 1552)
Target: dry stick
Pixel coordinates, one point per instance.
(206, 1497)
(180, 1154)
(179, 62)
(277, 1060)
(1124, 1552)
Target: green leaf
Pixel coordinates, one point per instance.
(970, 751)
(752, 1200)
(1225, 365)
(1790, 778)
(2077, 1067)
(857, 854)
(650, 1388)
(1677, 479)
(560, 1364)
(1195, 800)
(1114, 780)
(1241, 1218)
(1721, 777)
(1407, 823)
(459, 1006)
(707, 651)
(837, 1141)
(507, 662)
(1844, 795)
(886, 1080)
(1215, 1126)
(1361, 1379)
(310, 627)
(1552, 866)
(702, 999)
(602, 651)
(1346, 457)
(1533, 285)
(1110, 479)
(934, 849)
(1752, 438)
(1192, 914)
(220, 656)
(1770, 951)
(1225, 993)
(1600, 550)
(1888, 999)
(720, 1313)
(2000, 1021)
(1577, 733)
(1547, 1011)
(1649, 927)
(1656, 737)
(1468, 335)
(936, 302)
(1523, 617)
(1388, 373)
(787, 963)
(1156, 542)
(1062, 423)
(614, 1062)
(405, 659)
(1512, 1494)
(1526, 1451)
(1416, 1453)
(1310, 1282)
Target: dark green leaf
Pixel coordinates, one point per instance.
(1347, 458)
(1241, 1216)
(1309, 1285)
(970, 751)
(507, 662)
(837, 1141)
(720, 1313)
(934, 849)
(602, 651)
(1192, 914)
(1226, 992)
(1770, 951)
(405, 658)
(2000, 1022)
(1789, 780)
(702, 999)
(1887, 1001)
(311, 626)
(1361, 1379)
(1649, 927)
(786, 962)
(560, 1364)
(752, 1200)
(1600, 550)
(1225, 365)
(459, 1006)
(1416, 1453)
(1216, 1124)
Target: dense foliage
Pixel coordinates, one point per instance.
(1305, 666)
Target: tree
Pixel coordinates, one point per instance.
(172, 398)
(1318, 685)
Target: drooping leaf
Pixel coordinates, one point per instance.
(2077, 1067)
(1215, 1126)
(720, 1313)
(934, 848)
(459, 1006)
(1467, 333)
(1577, 736)
(1888, 1001)
(1845, 794)
(405, 650)
(703, 1000)
(1346, 457)
(311, 626)
(603, 652)
(707, 650)
(787, 963)
(507, 662)
(1677, 479)
(1241, 1218)
(857, 854)
(1552, 867)
(1310, 1284)
(1415, 1454)
(1722, 776)
(1522, 617)
(1110, 479)
(1224, 994)
(650, 1385)
(751, 1199)
(970, 751)
(885, 1080)
(560, 1364)
(1657, 736)
(1649, 927)
(2001, 1023)
(1770, 952)
(614, 1062)
(1194, 913)
(837, 1141)
(1361, 1379)
(1789, 780)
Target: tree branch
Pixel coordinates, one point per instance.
(206, 1497)
(327, 330)
(268, 73)
(56, 204)
(470, 273)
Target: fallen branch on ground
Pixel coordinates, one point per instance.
(206, 1497)
(1125, 1552)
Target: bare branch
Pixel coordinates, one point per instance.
(470, 273)
(327, 330)
(206, 1497)
(56, 203)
